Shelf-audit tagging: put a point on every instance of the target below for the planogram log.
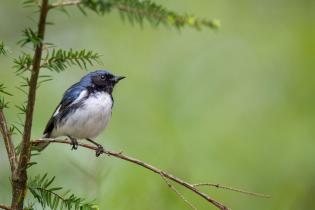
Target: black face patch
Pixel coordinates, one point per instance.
(102, 79)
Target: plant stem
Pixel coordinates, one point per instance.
(5, 207)
(8, 142)
(19, 177)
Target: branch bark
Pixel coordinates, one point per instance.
(64, 3)
(5, 207)
(169, 184)
(19, 177)
(156, 170)
(219, 186)
(8, 142)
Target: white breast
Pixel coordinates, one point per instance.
(89, 120)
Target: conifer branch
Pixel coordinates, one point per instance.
(50, 196)
(40, 142)
(23, 63)
(19, 177)
(6, 134)
(4, 207)
(29, 36)
(59, 60)
(156, 14)
(137, 11)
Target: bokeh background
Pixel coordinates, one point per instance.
(233, 106)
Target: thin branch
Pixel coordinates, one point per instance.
(8, 141)
(64, 3)
(19, 177)
(5, 207)
(158, 171)
(232, 189)
(177, 192)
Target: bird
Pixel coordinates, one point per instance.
(85, 109)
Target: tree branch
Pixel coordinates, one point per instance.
(169, 184)
(232, 189)
(5, 207)
(158, 171)
(138, 10)
(64, 3)
(8, 141)
(19, 177)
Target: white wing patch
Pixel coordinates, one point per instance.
(57, 111)
(82, 95)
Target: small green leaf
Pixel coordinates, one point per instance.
(23, 63)
(3, 104)
(30, 164)
(3, 49)
(29, 36)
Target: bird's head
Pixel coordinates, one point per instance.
(101, 80)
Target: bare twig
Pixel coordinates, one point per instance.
(64, 3)
(5, 207)
(232, 189)
(19, 177)
(120, 155)
(8, 141)
(177, 192)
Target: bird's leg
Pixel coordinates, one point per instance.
(99, 149)
(74, 143)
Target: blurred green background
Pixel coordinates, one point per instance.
(233, 106)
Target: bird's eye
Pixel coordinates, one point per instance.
(102, 77)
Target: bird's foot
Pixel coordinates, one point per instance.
(99, 150)
(74, 143)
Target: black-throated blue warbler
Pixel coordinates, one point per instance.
(85, 109)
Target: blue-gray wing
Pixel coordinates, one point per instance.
(72, 96)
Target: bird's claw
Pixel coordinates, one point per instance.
(74, 147)
(99, 150)
(74, 144)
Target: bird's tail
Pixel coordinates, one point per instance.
(40, 146)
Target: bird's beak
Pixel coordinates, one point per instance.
(118, 78)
